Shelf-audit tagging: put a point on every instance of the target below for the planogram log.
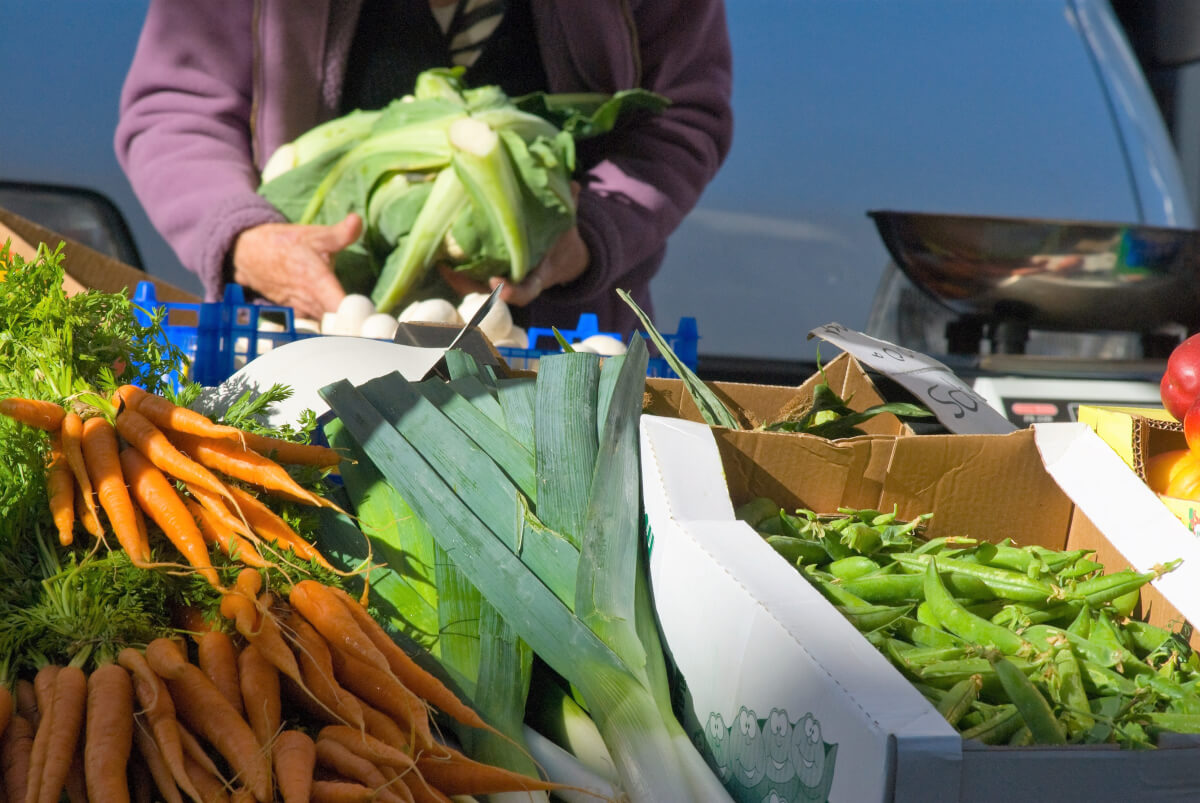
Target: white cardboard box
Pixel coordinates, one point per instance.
(790, 703)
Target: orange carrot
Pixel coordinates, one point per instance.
(43, 690)
(238, 603)
(316, 666)
(167, 415)
(154, 444)
(318, 604)
(385, 692)
(204, 709)
(385, 729)
(157, 497)
(210, 787)
(65, 723)
(230, 543)
(295, 757)
(271, 527)
(195, 751)
(108, 739)
(164, 781)
(292, 453)
(159, 711)
(394, 761)
(71, 433)
(104, 468)
(454, 773)
(368, 746)
(249, 466)
(16, 746)
(422, 683)
(261, 696)
(90, 521)
(33, 412)
(341, 792)
(340, 760)
(217, 506)
(60, 488)
(218, 659)
(254, 620)
(75, 786)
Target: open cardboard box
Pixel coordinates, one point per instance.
(86, 268)
(787, 698)
(1137, 434)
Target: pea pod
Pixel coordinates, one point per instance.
(852, 567)
(757, 511)
(1022, 737)
(1003, 583)
(833, 591)
(1020, 559)
(797, 551)
(1045, 638)
(1066, 686)
(1039, 717)
(922, 635)
(1108, 587)
(958, 620)
(958, 700)
(1101, 680)
(1081, 625)
(998, 728)
(1146, 638)
(936, 546)
(873, 617)
(894, 588)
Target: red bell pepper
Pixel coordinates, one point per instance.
(1180, 385)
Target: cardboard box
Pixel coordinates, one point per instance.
(86, 268)
(789, 699)
(755, 405)
(1137, 434)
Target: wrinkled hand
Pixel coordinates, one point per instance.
(292, 264)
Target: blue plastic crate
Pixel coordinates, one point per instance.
(684, 342)
(219, 337)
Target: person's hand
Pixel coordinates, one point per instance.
(292, 264)
(565, 261)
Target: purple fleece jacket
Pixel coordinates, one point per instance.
(216, 86)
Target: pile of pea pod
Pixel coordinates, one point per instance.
(1015, 645)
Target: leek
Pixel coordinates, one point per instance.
(577, 596)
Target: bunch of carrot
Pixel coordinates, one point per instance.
(309, 699)
(133, 459)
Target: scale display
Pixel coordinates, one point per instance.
(1025, 400)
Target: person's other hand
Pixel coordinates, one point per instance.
(565, 261)
(292, 264)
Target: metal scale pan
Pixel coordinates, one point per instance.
(1050, 274)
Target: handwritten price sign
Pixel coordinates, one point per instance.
(955, 403)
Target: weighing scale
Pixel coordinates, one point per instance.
(1003, 284)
